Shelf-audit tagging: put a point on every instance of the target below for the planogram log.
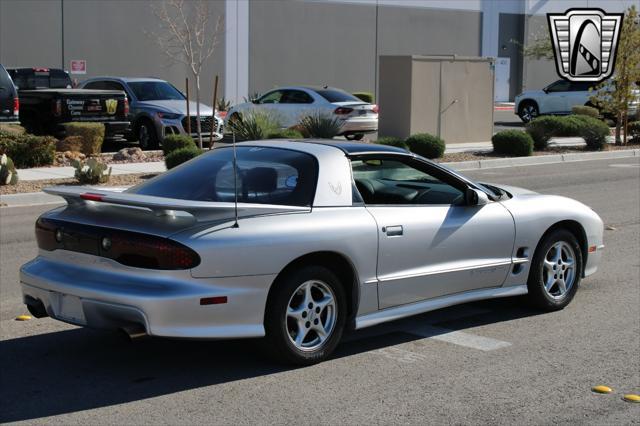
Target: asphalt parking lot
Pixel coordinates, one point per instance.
(494, 362)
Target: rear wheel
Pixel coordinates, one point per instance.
(528, 111)
(556, 270)
(354, 137)
(305, 316)
(147, 136)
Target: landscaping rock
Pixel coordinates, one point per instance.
(130, 155)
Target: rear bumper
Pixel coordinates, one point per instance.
(359, 125)
(99, 293)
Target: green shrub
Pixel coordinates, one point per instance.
(515, 143)
(92, 135)
(585, 110)
(254, 125)
(91, 172)
(427, 145)
(544, 128)
(8, 173)
(12, 128)
(321, 126)
(365, 97)
(594, 132)
(393, 141)
(28, 150)
(172, 142)
(181, 155)
(634, 131)
(70, 143)
(284, 134)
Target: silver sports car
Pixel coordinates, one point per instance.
(298, 241)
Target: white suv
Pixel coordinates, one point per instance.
(557, 99)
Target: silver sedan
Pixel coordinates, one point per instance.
(296, 241)
(289, 105)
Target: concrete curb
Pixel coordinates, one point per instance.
(40, 198)
(541, 159)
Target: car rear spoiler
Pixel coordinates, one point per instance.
(201, 210)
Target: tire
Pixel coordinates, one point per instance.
(147, 136)
(527, 111)
(550, 273)
(289, 309)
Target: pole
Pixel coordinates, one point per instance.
(213, 118)
(188, 115)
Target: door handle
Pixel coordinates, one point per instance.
(393, 231)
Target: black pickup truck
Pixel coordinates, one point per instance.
(47, 100)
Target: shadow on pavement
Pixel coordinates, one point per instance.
(81, 369)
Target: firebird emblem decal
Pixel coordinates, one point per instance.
(337, 189)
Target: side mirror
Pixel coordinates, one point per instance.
(475, 197)
(545, 90)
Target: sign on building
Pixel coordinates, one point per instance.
(78, 66)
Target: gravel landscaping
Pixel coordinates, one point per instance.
(38, 185)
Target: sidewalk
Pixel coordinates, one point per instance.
(158, 167)
(41, 173)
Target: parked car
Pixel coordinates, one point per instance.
(9, 103)
(290, 104)
(48, 101)
(158, 109)
(557, 99)
(325, 235)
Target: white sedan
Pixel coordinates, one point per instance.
(290, 104)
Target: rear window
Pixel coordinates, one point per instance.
(27, 79)
(334, 95)
(265, 176)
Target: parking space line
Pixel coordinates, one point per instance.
(460, 338)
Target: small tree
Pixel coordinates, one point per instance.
(187, 37)
(614, 95)
(539, 47)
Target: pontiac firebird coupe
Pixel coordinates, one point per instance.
(324, 236)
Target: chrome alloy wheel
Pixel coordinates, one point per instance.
(311, 315)
(559, 270)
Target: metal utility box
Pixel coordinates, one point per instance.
(447, 96)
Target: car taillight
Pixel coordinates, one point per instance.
(16, 106)
(375, 109)
(144, 251)
(343, 110)
(57, 108)
(126, 106)
(128, 248)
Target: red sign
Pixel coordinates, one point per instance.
(78, 66)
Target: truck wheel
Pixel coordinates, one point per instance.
(147, 136)
(305, 316)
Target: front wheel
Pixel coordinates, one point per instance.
(556, 270)
(528, 111)
(305, 316)
(147, 136)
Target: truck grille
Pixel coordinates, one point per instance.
(205, 124)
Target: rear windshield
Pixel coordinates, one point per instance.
(28, 79)
(334, 95)
(265, 176)
(155, 91)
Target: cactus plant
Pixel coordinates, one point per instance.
(8, 173)
(91, 171)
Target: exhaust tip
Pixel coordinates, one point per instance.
(36, 307)
(133, 332)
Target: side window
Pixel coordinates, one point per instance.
(95, 85)
(296, 97)
(390, 181)
(271, 97)
(559, 86)
(580, 86)
(112, 85)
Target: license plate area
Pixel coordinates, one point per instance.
(362, 112)
(69, 308)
